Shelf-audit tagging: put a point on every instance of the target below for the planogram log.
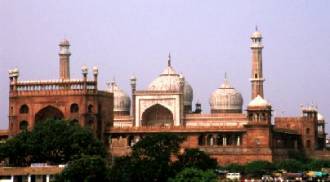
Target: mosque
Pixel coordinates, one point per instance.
(229, 132)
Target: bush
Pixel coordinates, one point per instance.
(194, 175)
(235, 168)
(290, 165)
(259, 168)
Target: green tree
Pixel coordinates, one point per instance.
(194, 175)
(290, 165)
(194, 158)
(258, 168)
(86, 168)
(122, 170)
(150, 159)
(53, 142)
(317, 165)
(16, 151)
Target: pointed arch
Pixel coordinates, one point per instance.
(49, 112)
(157, 115)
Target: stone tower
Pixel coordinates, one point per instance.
(257, 79)
(64, 60)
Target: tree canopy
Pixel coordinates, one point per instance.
(150, 159)
(86, 168)
(52, 142)
(194, 158)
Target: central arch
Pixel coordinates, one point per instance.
(157, 115)
(49, 112)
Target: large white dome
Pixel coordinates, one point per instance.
(169, 80)
(122, 102)
(226, 99)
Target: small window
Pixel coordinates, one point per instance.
(307, 130)
(23, 125)
(74, 108)
(24, 109)
(201, 140)
(255, 75)
(90, 108)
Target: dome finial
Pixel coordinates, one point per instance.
(169, 59)
(256, 28)
(226, 80)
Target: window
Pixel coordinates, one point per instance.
(90, 108)
(24, 109)
(23, 125)
(74, 108)
(307, 130)
(201, 140)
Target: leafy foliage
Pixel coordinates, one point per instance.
(258, 168)
(317, 165)
(290, 165)
(194, 175)
(234, 168)
(53, 142)
(194, 158)
(86, 168)
(150, 159)
(16, 150)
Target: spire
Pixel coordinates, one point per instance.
(256, 28)
(226, 79)
(169, 59)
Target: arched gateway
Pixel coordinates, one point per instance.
(48, 112)
(157, 115)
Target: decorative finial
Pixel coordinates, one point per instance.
(226, 78)
(169, 59)
(256, 28)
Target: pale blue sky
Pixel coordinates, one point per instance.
(206, 39)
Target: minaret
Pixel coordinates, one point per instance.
(257, 79)
(64, 59)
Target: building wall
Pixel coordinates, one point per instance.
(304, 126)
(101, 112)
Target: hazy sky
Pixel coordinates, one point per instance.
(205, 38)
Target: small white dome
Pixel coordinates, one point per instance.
(169, 80)
(259, 102)
(226, 99)
(256, 34)
(121, 101)
(320, 117)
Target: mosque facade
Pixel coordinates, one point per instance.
(229, 132)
